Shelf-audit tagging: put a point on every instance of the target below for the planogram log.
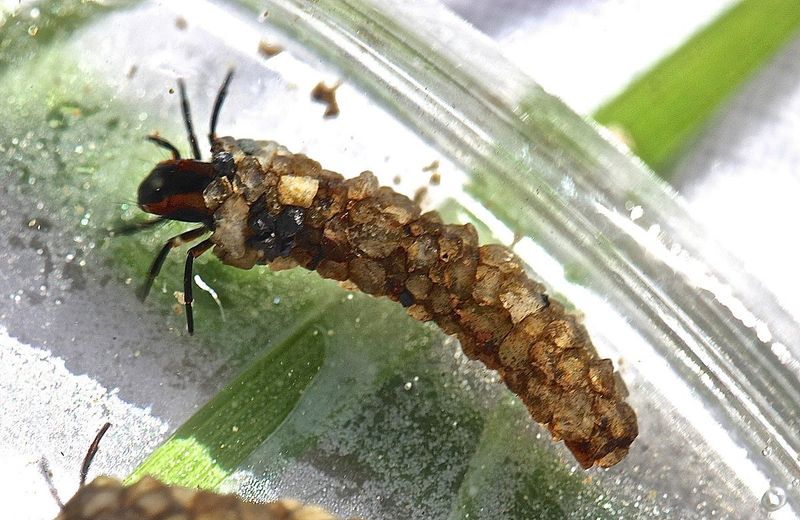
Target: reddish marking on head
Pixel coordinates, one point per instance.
(174, 189)
(176, 203)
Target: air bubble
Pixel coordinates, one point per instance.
(773, 499)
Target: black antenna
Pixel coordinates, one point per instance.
(87, 460)
(187, 118)
(223, 91)
(163, 143)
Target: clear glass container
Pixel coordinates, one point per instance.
(394, 421)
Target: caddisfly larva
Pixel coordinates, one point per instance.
(263, 204)
(106, 498)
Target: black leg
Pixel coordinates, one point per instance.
(172, 243)
(163, 143)
(193, 253)
(187, 118)
(223, 91)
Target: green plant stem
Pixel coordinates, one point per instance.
(661, 111)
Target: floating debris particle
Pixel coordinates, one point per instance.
(268, 49)
(436, 177)
(432, 167)
(207, 288)
(325, 94)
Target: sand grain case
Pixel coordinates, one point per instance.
(285, 210)
(107, 498)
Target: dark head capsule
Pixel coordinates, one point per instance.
(174, 189)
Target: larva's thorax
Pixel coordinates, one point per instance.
(282, 209)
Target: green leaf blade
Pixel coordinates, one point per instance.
(661, 111)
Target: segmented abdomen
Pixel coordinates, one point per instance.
(283, 209)
(106, 498)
